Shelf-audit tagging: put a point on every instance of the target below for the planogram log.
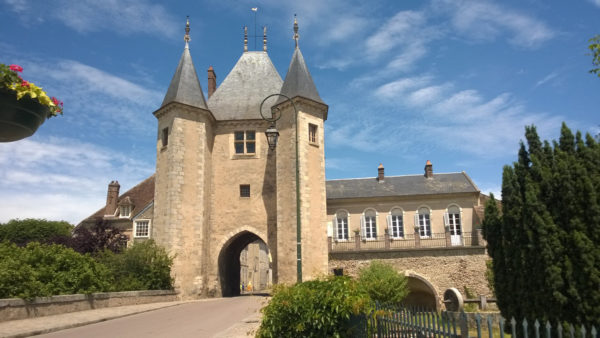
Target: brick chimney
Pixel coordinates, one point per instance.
(212, 81)
(111, 198)
(380, 175)
(428, 169)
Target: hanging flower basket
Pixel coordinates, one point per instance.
(23, 105)
(19, 118)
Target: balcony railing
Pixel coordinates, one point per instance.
(408, 241)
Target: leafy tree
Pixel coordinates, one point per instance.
(95, 238)
(45, 270)
(546, 262)
(594, 47)
(144, 266)
(28, 230)
(383, 283)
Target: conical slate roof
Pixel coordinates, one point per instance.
(185, 87)
(251, 80)
(298, 81)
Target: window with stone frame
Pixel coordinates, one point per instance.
(244, 142)
(452, 218)
(369, 224)
(341, 225)
(396, 223)
(312, 133)
(141, 228)
(423, 222)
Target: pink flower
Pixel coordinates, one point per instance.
(16, 68)
(24, 84)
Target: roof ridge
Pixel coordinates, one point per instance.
(391, 176)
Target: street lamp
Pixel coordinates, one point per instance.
(272, 137)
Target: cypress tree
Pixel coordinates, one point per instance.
(545, 259)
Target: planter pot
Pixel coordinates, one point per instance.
(19, 118)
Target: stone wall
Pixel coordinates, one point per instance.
(443, 268)
(16, 308)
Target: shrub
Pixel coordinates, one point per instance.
(144, 266)
(46, 270)
(383, 283)
(28, 230)
(318, 308)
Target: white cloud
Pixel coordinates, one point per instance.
(546, 78)
(595, 2)
(483, 20)
(60, 178)
(123, 17)
(396, 88)
(394, 32)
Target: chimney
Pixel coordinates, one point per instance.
(380, 173)
(111, 198)
(428, 169)
(212, 81)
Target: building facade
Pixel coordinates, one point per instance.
(218, 185)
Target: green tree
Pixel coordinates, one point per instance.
(546, 263)
(28, 230)
(594, 47)
(143, 266)
(383, 283)
(46, 270)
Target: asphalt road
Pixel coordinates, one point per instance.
(198, 319)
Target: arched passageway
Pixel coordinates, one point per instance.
(421, 294)
(229, 262)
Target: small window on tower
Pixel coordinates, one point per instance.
(165, 137)
(312, 133)
(244, 190)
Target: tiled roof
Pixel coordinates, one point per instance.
(185, 87)
(239, 96)
(400, 186)
(141, 195)
(298, 81)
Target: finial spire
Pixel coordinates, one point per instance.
(296, 30)
(245, 39)
(264, 38)
(186, 37)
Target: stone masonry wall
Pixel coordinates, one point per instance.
(443, 268)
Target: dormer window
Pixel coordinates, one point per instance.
(125, 211)
(125, 207)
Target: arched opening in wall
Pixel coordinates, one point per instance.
(244, 261)
(421, 294)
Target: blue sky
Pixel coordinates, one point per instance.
(450, 81)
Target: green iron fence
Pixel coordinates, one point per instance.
(404, 322)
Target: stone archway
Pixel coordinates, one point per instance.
(229, 262)
(422, 293)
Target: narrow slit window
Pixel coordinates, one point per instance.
(165, 137)
(312, 133)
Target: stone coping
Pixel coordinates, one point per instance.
(17, 308)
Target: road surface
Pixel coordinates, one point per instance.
(198, 319)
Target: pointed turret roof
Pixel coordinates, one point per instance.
(298, 81)
(185, 87)
(253, 78)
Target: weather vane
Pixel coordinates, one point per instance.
(186, 37)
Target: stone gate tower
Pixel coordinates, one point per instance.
(218, 185)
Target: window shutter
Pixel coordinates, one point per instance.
(446, 219)
(335, 227)
(362, 227)
(416, 220)
(390, 228)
